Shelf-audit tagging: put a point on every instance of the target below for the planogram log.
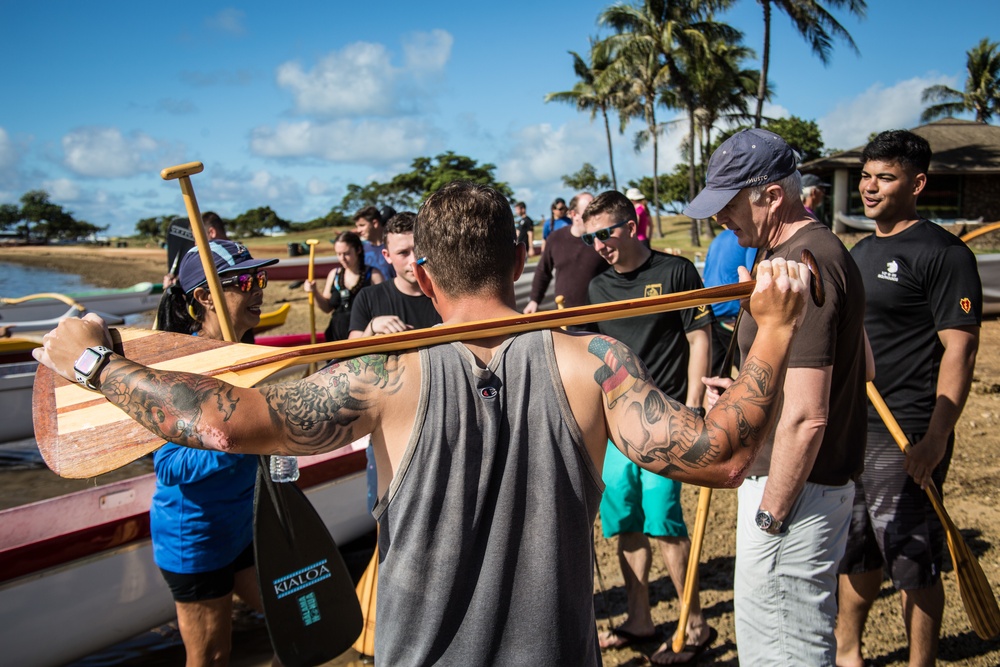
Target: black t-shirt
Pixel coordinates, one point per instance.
(524, 225)
(385, 299)
(658, 339)
(917, 283)
(831, 335)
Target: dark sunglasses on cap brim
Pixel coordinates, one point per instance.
(601, 234)
(245, 280)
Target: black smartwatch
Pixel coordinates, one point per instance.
(90, 364)
(767, 522)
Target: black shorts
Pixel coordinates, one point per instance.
(893, 523)
(207, 585)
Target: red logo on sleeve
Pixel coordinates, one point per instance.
(966, 305)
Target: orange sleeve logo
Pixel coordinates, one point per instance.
(966, 305)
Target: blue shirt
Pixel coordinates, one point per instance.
(725, 256)
(376, 260)
(201, 517)
(549, 226)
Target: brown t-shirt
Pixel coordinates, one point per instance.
(830, 336)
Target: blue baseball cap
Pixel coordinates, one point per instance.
(748, 158)
(229, 257)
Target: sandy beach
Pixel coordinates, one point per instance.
(971, 493)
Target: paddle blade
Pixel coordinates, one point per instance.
(367, 591)
(180, 239)
(81, 434)
(977, 595)
(310, 607)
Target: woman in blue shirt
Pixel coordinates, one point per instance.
(201, 517)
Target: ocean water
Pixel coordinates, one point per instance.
(18, 280)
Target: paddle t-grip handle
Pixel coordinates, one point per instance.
(816, 289)
(187, 169)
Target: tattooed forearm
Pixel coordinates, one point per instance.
(172, 405)
(662, 435)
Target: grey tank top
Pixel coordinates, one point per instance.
(485, 534)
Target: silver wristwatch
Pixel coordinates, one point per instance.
(766, 522)
(90, 364)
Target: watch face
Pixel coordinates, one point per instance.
(85, 364)
(763, 520)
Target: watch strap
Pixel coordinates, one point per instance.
(87, 379)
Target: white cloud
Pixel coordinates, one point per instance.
(62, 189)
(877, 109)
(427, 51)
(106, 152)
(360, 79)
(317, 187)
(230, 21)
(8, 154)
(371, 142)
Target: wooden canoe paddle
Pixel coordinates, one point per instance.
(80, 434)
(977, 595)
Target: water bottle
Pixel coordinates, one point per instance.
(284, 468)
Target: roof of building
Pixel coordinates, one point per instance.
(959, 146)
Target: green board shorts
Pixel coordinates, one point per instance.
(639, 501)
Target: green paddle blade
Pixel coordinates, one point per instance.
(310, 606)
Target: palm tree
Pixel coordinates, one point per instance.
(815, 23)
(593, 93)
(982, 87)
(644, 50)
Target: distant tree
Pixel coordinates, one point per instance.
(155, 227)
(587, 179)
(802, 135)
(428, 175)
(50, 220)
(256, 222)
(673, 188)
(593, 92)
(10, 215)
(982, 87)
(816, 25)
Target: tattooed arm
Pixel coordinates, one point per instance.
(322, 412)
(662, 435)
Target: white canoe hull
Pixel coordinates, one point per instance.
(16, 381)
(129, 301)
(58, 614)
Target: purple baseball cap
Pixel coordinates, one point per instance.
(748, 158)
(229, 257)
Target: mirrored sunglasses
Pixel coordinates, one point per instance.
(245, 280)
(601, 234)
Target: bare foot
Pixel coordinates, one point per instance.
(620, 638)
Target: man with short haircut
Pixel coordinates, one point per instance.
(813, 193)
(677, 349)
(573, 262)
(368, 225)
(923, 318)
(392, 306)
(795, 505)
(525, 227)
(492, 448)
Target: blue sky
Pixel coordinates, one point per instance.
(288, 103)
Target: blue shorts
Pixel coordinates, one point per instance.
(639, 501)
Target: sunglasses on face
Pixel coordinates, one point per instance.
(601, 234)
(245, 280)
